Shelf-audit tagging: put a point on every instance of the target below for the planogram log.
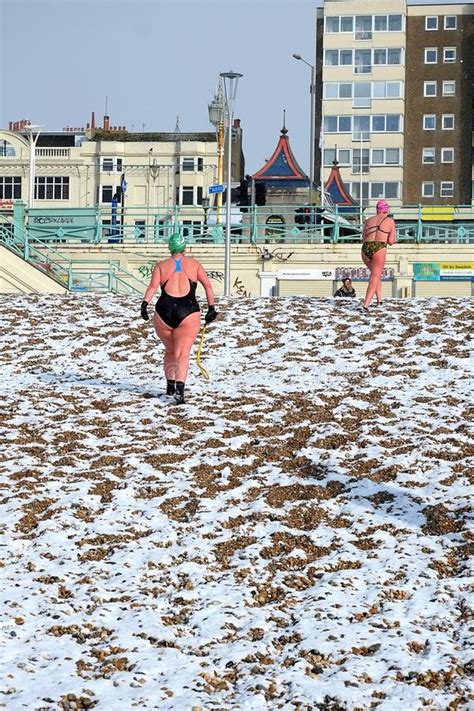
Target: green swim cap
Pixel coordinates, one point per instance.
(176, 243)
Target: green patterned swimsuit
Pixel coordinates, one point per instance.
(370, 248)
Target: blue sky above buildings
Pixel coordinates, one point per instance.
(159, 59)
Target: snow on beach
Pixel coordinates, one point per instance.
(295, 537)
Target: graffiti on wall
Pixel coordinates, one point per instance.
(239, 289)
(146, 270)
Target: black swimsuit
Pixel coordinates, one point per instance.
(173, 309)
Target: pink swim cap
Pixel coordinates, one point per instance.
(382, 206)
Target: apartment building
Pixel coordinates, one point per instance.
(394, 99)
(439, 104)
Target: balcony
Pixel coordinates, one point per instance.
(52, 152)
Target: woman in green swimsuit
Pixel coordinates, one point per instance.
(378, 232)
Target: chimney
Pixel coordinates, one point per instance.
(106, 123)
(93, 120)
(236, 123)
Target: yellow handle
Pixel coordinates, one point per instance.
(198, 354)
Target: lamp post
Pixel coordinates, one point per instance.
(231, 80)
(205, 204)
(312, 90)
(32, 141)
(216, 117)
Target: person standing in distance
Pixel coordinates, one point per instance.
(177, 317)
(378, 232)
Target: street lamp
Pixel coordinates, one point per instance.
(312, 90)
(32, 141)
(205, 204)
(216, 117)
(231, 80)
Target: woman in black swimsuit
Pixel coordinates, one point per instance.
(378, 232)
(177, 317)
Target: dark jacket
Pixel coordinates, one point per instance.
(343, 292)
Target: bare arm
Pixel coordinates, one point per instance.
(154, 284)
(205, 281)
(392, 233)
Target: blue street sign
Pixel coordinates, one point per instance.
(216, 188)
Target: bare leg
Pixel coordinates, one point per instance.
(377, 265)
(165, 334)
(183, 337)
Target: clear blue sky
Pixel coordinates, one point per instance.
(158, 59)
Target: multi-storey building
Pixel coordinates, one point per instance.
(394, 99)
(84, 167)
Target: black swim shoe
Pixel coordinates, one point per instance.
(170, 387)
(179, 394)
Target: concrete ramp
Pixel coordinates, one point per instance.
(19, 277)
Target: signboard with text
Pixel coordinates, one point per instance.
(443, 271)
(361, 273)
(306, 274)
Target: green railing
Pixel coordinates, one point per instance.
(74, 274)
(265, 224)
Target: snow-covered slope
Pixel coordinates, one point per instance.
(294, 537)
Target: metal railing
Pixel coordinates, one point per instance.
(74, 274)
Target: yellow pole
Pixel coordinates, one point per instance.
(220, 168)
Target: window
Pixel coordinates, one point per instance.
(449, 55)
(450, 22)
(362, 94)
(447, 155)
(330, 124)
(362, 61)
(431, 22)
(363, 27)
(53, 188)
(393, 89)
(394, 56)
(347, 24)
(187, 195)
(392, 156)
(428, 155)
(345, 57)
(393, 123)
(344, 124)
(332, 24)
(110, 165)
(447, 122)
(429, 122)
(363, 124)
(380, 23)
(191, 165)
(187, 165)
(10, 187)
(343, 156)
(446, 189)
(431, 55)
(395, 23)
(429, 88)
(449, 88)
(384, 190)
(106, 193)
(361, 129)
(345, 91)
(427, 190)
(331, 57)
(356, 160)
